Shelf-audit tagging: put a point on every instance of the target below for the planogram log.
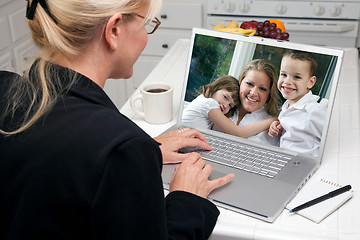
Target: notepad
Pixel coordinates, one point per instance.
(316, 188)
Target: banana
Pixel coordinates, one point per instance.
(220, 26)
(238, 30)
(232, 24)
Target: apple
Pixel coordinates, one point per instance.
(248, 25)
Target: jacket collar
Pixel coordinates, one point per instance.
(83, 87)
(89, 90)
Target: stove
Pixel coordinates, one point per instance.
(330, 22)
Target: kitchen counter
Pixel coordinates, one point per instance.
(341, 162)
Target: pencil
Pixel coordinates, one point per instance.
(322, 198)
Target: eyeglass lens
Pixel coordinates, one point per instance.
(150, 27)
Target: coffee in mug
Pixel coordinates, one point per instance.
(157, 102)
(156, 90)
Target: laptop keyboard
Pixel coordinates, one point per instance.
(244, 157)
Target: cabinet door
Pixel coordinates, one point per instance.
(142, 68)
(116, 90)
(6, 62)
(18, 25)
(181, 15)
(3, 2)
(5, 40)
(119, 90)
(24, 55)
(163, 39)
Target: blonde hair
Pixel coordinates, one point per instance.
(228, 83)
(71, 27)
(272, 103)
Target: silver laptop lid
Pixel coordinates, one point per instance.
(213, 54)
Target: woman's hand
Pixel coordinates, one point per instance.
(193, 176)
(275, 129)
(172, 141)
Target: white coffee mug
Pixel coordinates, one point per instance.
(157, 102)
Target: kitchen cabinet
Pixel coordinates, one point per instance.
(16, 45)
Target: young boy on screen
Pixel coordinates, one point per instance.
(301, 119)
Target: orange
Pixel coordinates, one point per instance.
(279, 24)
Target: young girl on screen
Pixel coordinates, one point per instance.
(222, 94)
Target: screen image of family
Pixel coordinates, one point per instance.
(271, 95)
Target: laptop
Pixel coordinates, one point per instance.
(262, 194)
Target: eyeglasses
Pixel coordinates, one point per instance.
(150, 25)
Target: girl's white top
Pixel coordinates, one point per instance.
(196, 112)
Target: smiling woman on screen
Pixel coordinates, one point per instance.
(259, 101)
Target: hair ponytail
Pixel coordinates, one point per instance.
(64, 29)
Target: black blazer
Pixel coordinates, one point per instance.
(85, 171)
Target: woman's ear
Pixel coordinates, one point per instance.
(112, 30)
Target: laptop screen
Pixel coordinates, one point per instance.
(302, 103)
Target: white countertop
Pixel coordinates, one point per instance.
(341, 161)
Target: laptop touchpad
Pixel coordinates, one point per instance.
(216, 174)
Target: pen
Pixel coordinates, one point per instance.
(322, 198)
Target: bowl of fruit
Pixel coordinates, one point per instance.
(271, 28)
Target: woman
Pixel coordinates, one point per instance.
(259, 102)
(74, 167)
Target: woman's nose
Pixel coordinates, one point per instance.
(253, 91)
